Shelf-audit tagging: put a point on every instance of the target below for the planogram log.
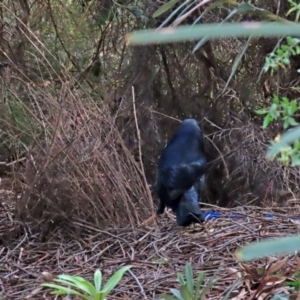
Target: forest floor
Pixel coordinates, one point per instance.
(155, 251)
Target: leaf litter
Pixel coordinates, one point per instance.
(156, 252)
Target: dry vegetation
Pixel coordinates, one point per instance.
(79, 148)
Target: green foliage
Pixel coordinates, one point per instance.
(295, 8)
(282, 55)
(295, 282)
(164, 8)
(188, 33)
(269, 247)
(290, 154)
(78, 286)
(283, 147)
(281, 108)
(190, 290)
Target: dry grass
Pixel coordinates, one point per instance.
(82, 169)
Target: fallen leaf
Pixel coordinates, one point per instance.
(276, 266)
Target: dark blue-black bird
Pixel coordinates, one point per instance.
(181, 174)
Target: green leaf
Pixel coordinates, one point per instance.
(297, 145)
(185, 292)
(273, 111)
(196, 32)
(177, 294)
(270, 247)
(295, 284)
(295, 160)
(199, 281)
(114, 279)
(98, 280)
(164, 8)
(181, 279)
(286, 139)
(237, 61)
(286, 122)
(207, 288)
(78, 282)
(100, 295)
(261, 111)
(292, 121)
(292, 108)
(285, 100)
(286, 61)
(232, 288)
(189, 277)
(275, 99)
(268, 119)
(167, 297)
(60, 290)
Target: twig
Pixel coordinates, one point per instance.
(139, 284)
(179, 20)
(140, 153)
(221, 156)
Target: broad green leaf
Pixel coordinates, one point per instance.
(164, 8)
(286, 123)
(286, 139)
(66, 283)
(188, 33)
(98, 280)
(273, 111)
(59, 290)
(114, 279)
(189, 277)
(177, 294)
(269, 247)
(181, 278)
(100, 295)
(186, 293)
(297, 145)
(77, 282)
(285, 100)
(294, 106)
(268, 119)
(276, 99)
(294, 284)
(286, 61)
(167, 297)
(70, 278)
(261, 111)
(292, 121)
(295, 160)
(199, 281)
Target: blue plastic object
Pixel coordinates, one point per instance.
(211, 215)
